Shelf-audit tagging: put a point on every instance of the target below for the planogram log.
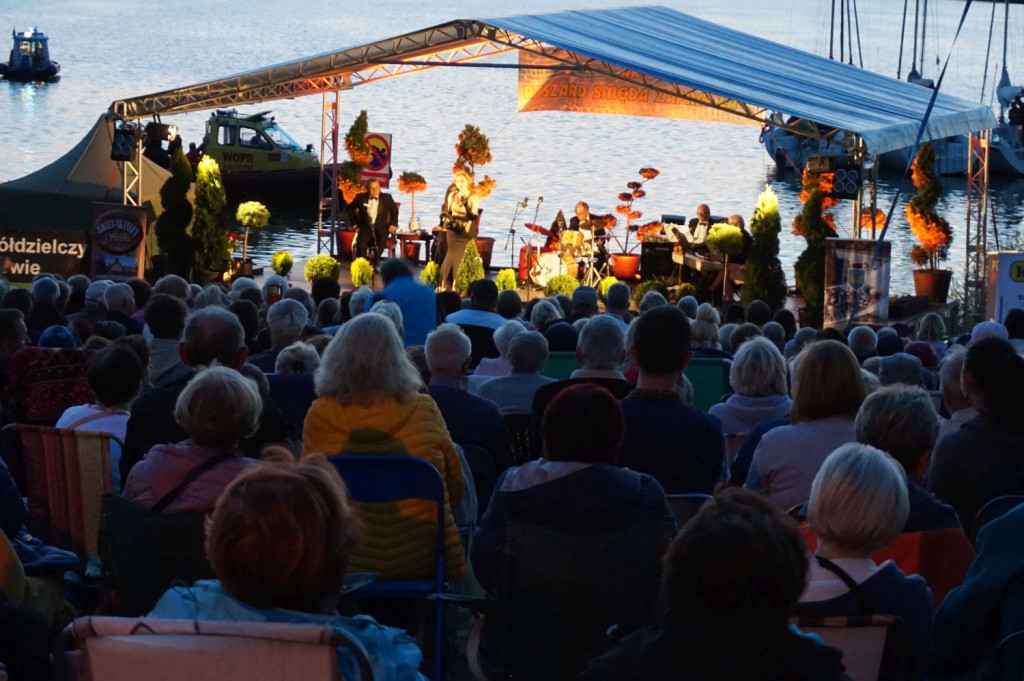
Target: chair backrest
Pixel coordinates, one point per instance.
(143, 553)
(293, 394)
(710, 379)
(43, 382)
(685, 506)
(993, 509)
(560, 365)
(117, 649)
(64, 475)
(481, 340)
(520, 437)
(484, 472)
(562, 591)
(864, 641)
(394, 477)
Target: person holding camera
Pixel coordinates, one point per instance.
(458, 218)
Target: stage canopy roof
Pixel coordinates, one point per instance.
(667, 51)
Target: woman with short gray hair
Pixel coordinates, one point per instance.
(492, 367)
(369, 403)
(758, 377)
(858, 506)
(297, 358)
(218, 408)
(514, 393)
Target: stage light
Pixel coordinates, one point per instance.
(123, 144)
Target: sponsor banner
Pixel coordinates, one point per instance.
(545, 89)
(856, 290)
(380, 164)
(26, 254)
(118, 241)
(1005, 289)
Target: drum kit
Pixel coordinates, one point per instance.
(558, 257)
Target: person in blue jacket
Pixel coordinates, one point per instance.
(279, 543)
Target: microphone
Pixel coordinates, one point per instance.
(525, 201)
(540, 199)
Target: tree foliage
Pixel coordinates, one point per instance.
(322, 265)
(763, 277)
(474, 149)
(933, 232)
(814, 226)
(209, 228)
(281, 262)
(471, 269)
(563, 284)
(506, 280)
(172, 226)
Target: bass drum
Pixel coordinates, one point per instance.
(547, 266)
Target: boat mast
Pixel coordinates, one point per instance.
(832, 31)
(903, 34)
(917, 18)
(924, 35)
(988, 52)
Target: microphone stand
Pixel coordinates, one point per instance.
(511, 240)
(529, 250)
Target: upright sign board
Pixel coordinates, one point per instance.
(856, 288)
(1005, 284)
(380, 165)
(118, 241)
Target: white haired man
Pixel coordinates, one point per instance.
(286, 320)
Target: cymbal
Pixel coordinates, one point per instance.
(543, 231)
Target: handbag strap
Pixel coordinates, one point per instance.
(166, 499)
(855, 589)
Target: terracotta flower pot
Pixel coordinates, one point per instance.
(934, 284)
(625, 265)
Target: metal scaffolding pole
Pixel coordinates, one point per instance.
(975, 275)
(131, 170)
(327, 220)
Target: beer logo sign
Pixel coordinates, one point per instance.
(117, 231)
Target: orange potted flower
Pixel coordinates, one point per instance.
(626, 264)
(933, 232)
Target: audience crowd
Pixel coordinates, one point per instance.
(626, 515)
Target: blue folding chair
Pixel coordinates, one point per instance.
(393, 477)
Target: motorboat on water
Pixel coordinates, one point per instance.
(257, 157)
(29, 60)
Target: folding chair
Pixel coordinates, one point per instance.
(293, 394)
(520, 437)
(994, 508)
(43, 382)
(64, 473)
(484, 473)
(685, 506)
(560, 365)
(395, 477)
(127, 649)
(710, 379)
(873, 646)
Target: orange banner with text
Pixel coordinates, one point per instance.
(547, 89)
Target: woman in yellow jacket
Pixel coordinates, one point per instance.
(369, 404)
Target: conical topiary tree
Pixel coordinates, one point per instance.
(474, 149)
(251, 215)
(172, 226)
(763, 277)
(470, 269)
(209, 228)
(931, 229)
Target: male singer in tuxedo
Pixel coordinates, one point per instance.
(376, 216)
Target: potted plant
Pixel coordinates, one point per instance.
(763, 277)
(410, 183)
(933, 232)
(209, 231)
(251, 215)
(349, 183)
(725, 240)
(474, 149)
(561, 284)
(281, 262)
(471, 269)
(322, 265)
(506, 280)
(815, 225)
(361, 272)
(650, 285)
(431, 274)
(604, 285)
(172, 226)
(626, 264)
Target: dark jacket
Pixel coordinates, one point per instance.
(979, 462)
(734, 649)
(472, 420)
(387, 212)
(680, 446)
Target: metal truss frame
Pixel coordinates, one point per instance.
(975, 229)
(327, 238)
(131, 174)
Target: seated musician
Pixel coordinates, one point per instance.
(592, 229)
(557, 227)
(696, 233)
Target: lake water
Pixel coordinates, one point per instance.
(111, 49)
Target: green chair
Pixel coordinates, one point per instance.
(710, 379)
(560, 365)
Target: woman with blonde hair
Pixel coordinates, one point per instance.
(369, 404)
(458, 217)
(828, 389)
(933, 330)
(279, 542)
